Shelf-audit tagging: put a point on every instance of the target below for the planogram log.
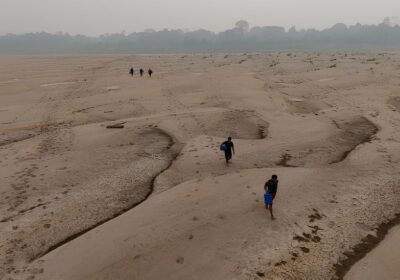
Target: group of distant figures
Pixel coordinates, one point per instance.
(141, 72)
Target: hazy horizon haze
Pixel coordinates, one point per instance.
(95, 17)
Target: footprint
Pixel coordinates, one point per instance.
(300, 238)
(221, 217)
(305, 249)
(316, 239)
(315, 216)
(280, 263)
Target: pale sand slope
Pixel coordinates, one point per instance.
(382, 262)
(64, 173)
(216, 228)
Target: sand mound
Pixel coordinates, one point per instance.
(239, 124)
(350, 134)
(100, 174)
(395, 102)
(353, 133)
(201, 156)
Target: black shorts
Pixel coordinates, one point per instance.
(228, 155)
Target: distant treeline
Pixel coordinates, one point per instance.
(241, 38)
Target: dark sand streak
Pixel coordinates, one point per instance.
(15, 140)
(366, 245)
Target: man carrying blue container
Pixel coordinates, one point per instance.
(271, 188)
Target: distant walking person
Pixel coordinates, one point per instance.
(131, 71)
(228, 148)
(271, 188)
(150, 72)
(141, 71)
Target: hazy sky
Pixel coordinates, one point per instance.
(93, 17)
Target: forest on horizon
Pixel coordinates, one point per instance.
(240, 38)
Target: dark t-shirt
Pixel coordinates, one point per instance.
(272, 185)
(229, 145)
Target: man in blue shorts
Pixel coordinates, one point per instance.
(271, 188)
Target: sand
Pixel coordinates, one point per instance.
(382, 262)
(105, 176)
